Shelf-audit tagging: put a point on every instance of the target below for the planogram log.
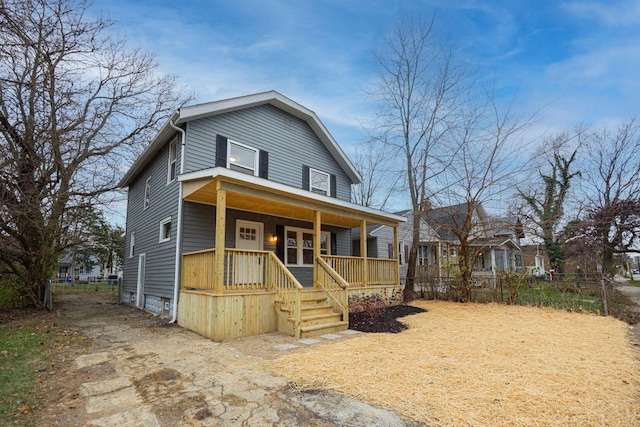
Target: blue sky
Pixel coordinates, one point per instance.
(577, 61)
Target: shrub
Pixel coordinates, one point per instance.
(367, 307)
(10, 297)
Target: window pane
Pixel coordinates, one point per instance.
(248, 233)
(319, 182)
(307, 240)
(242, 157)
(292, 257)
(292, 239)
(307, 256)
(173, 154)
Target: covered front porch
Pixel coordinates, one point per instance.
(235, 291)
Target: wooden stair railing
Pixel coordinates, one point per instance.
(334, 286)
(287, 288)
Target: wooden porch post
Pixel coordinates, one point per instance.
(395, 251)
(317, 225)
(438, 258)
(363, 252)
(221, 219)
(493, 265)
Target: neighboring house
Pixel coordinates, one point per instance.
(535, 259)
(495, 242)
(82, 271)
(239, 222)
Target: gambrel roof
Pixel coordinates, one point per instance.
(195, 112)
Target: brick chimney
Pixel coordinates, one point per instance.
(426, 205)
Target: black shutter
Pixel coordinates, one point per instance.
(221, 151)
(334, 244)
(390, 250)
(305, 177)
(333, 185)
(264, 164)
(280, 242)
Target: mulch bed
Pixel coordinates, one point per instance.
(385, 321)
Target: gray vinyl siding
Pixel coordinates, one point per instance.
(160, 257)
(375, 248)
(289, 141)
(199, 227)
(384, 237)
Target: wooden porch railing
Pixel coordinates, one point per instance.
(334, 286)
(380, 271)
(197, 270)
(243, 271)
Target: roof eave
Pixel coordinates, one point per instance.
(165, 133)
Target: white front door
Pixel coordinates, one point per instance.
(142, 260)
(248, 266)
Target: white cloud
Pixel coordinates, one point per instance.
(611, 13)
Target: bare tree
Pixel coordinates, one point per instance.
(418, 92)
(611, 182)
(74, 101)
(545, 203)
(485, 169)
(379, 178)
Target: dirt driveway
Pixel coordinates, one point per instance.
(140, 371)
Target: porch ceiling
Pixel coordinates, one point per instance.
(252, 197)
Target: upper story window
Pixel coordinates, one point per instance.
(173, 155)
(299, 245)
(319, 182)
(242, 158)
(147, 193)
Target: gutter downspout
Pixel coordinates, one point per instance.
(177, 269)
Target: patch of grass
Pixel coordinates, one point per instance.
(25, 363)
(548, 296)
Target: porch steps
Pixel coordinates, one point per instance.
(317, 317)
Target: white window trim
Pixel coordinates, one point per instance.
(132, 244)
(164, 222)
(256, 158)
(172, 164)
(299, 247)
(311, 187)
(147, 194)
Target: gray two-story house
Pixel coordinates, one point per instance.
(239, 222)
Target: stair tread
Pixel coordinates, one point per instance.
(317, 316)
(308, 307)
(323, 326)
